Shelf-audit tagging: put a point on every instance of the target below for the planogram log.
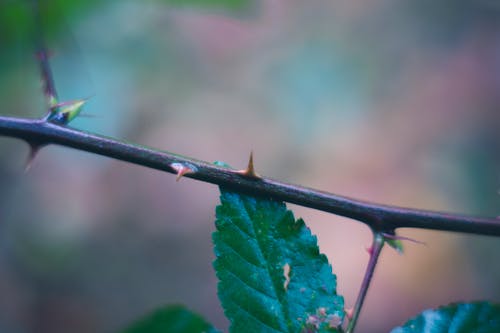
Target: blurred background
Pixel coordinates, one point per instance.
(382, 100)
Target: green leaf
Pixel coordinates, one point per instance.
(171, 319)
(18, 23)
(272, 277)
(18, 18)
(396, 244)
(480, 317)
(65, 112)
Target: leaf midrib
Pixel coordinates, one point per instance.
(284, 316)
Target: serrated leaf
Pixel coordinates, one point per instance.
(171, 319)
(272, 277)
(480, 317)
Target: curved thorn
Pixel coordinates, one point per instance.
(182, 169)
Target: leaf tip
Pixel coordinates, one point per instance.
(396, 241)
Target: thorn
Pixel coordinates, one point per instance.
(403, 238)
(349, 313)
(34, 149)
(183, 169)
(369, 249)
(250, 170)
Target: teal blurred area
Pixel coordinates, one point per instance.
(387, 101)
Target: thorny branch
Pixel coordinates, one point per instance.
(40, 132)
(52, 129)
(49, 87)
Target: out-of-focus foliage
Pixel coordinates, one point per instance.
(481, 317)
(448, 21)
(22, 20)
(171, 319)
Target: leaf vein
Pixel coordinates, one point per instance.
(249, 286)
(239, 307)
(247, 210)
(229, 246)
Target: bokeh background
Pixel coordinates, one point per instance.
(396, 102)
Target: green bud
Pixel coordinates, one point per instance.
(67, 111)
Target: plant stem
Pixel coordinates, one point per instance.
(49, 87)
(374, 251)
(379, 217)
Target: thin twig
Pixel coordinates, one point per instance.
(42, 55)
(379, 217)
(374, 251)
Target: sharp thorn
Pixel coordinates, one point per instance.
(250, 170)
(182, 169)
(34, 149)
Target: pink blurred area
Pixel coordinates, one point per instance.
(382, 101)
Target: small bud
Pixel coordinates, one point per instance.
(222, 164)
(396, 241)
(64, 112)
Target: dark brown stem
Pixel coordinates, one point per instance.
(49, 88)
(42, 55)
(379, 217)
(374, 251)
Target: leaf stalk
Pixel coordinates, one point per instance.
(374, 251)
